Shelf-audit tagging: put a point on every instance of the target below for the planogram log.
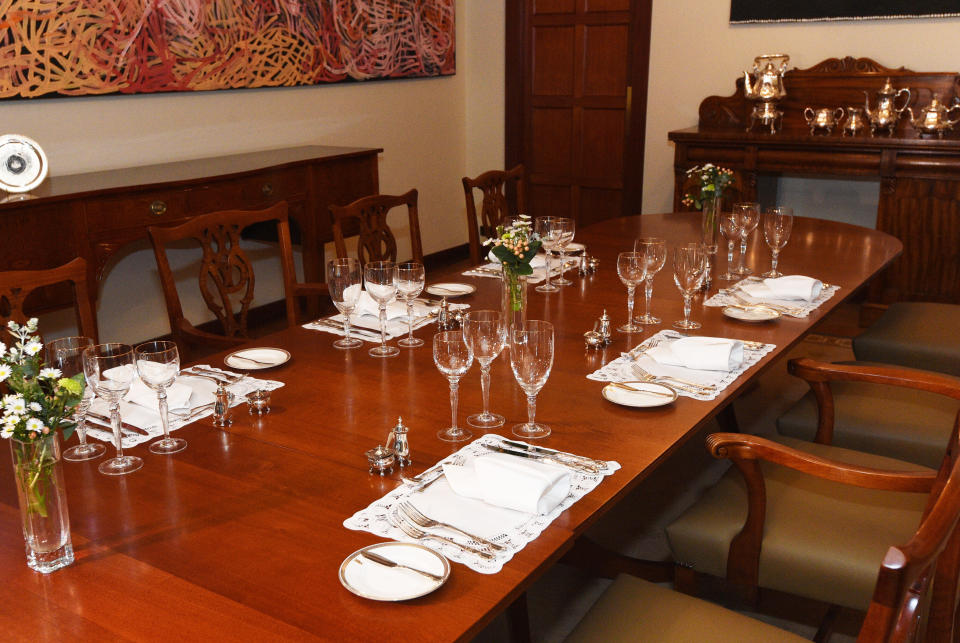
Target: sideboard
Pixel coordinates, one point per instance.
(919, 177)
(95, 214)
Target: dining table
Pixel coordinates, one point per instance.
(240, 536)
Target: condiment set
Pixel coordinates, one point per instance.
(382, 458)
(448, 319)
(600, 336)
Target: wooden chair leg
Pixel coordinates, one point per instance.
(827, 624)
(600, 561)
(685, 579)
(518, 620)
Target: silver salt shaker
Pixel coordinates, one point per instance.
(221, 407)
(401, 445)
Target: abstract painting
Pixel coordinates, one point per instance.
(746, 11)
(84, 47)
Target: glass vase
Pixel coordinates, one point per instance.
(43, 503)
(710, 236)
(513, 298)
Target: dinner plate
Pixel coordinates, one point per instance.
(249, 358)
(624, 397)
(378, 582)
(758, 314)
(572, 249)
(451, 289)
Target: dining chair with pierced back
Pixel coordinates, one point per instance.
(16, 286)
(495, 206)
(368, 215)
(226, 276)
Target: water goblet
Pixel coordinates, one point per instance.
(531, 358)
(66, 354)
(380, 278)
(485, 331)
(566, 229)
(410, 280)
(158, 364)
(749, 218)
(345, 282)
(550, 232)
(632, 269)
(689, 265)
(777, 223)
(453, 358)
(730, 226)
(109, 369)
(655, 250)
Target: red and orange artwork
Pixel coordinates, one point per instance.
(83, 47)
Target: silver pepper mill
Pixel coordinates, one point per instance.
(221, 407)
(604, 330)
(401, 446)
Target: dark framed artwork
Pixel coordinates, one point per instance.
(747, 11)
(85, 47)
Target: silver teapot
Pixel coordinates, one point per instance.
(934, 118)
(884, 117)
(823, 118)
(764, 85)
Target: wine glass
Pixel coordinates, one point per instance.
(453, 358)
(345, 282)
(380, 278)
(566, 228)
(485, 331)
(777, 223)
(632, 268)
(749, 218)
(730, 226)
(655, 250)
(410, 280)
(689, 265)
(531, 358)
(109, 369)
(158, 364)
(66, 354)
(550, 232)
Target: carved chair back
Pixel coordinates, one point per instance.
(376, 242)
(496, 204)
(16, 285)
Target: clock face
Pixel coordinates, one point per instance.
(23, 165)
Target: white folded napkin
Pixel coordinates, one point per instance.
(789, 287)
(178, 395)
(367, 305)
(511, 482)
(702, 353)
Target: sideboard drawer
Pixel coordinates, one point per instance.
(250, 192)
(139, 210)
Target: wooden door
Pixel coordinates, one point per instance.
(576, 104)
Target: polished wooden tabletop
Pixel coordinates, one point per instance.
(240, 536)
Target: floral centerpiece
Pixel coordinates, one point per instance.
(711, 181)
(515, 246)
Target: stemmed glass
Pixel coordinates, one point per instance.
(453, 358)
(109, 369)
(485, 332)
(777, 223)
(655, 249)
(531, 358)
(345, 282)
(749, 218)
(550, 232)
(566, 228)
(158, 364)
(632, 268)
(689, 264)
(730, 226)
(380, 278)
(66, 354)
(410, 280)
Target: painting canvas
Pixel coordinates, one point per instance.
(84, 47)
(745, 11)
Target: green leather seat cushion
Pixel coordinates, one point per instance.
(822, 540)
(921, 335)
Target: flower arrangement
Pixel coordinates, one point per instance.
(712, 181)
(515, 246)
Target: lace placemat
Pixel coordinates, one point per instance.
(367, 327)
(539, 274)
(512, 529)
(798, 308)
(623, 369)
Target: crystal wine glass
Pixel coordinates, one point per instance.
(655, 250)
(550, 233)
(777, 223)
(730, 226)
(531, 358)
(632, 269)
(109, 369)
(749, 218)
(345, 282)
(410, 280)
(66, 354)
(158, 364)
(566, 228)
(380, 278)
(485, 331)
(453, 358)
(689, 265)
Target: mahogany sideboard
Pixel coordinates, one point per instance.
(919, 176)
(93, 215)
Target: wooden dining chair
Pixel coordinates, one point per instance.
(496, 204)
(226, 277)
(16, 285)
(368, 214)
(813, 519)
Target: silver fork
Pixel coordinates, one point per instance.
(215, 376)
(419, 534)
(425, 521)
(690, 387)
(637, 351)
(789, 310)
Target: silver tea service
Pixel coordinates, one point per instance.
(764, 85)
(855, 122)
(884, 116)
(934, 118)
(381, 460)
(823, 119)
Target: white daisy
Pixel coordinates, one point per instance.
(50, 373)
(16, 405)
(6, 431)
(33, 347)
(34, 424)
(35, 407)
(5, 371)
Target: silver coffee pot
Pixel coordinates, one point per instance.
(884, 117)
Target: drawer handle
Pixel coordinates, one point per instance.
(267, 189)
(158, 208)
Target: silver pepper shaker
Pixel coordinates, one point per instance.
(604, 330)
(221, 407)
(401, 445)
(583, 268)
(443, 315)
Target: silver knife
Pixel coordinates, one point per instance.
(576, 466)
(557, 454)
(124, 426)
(386, 562)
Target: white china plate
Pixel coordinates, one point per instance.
(624, 397)
(572, 249)
(372, 580)
(272, 356)
(451, 289)
(751, 314)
